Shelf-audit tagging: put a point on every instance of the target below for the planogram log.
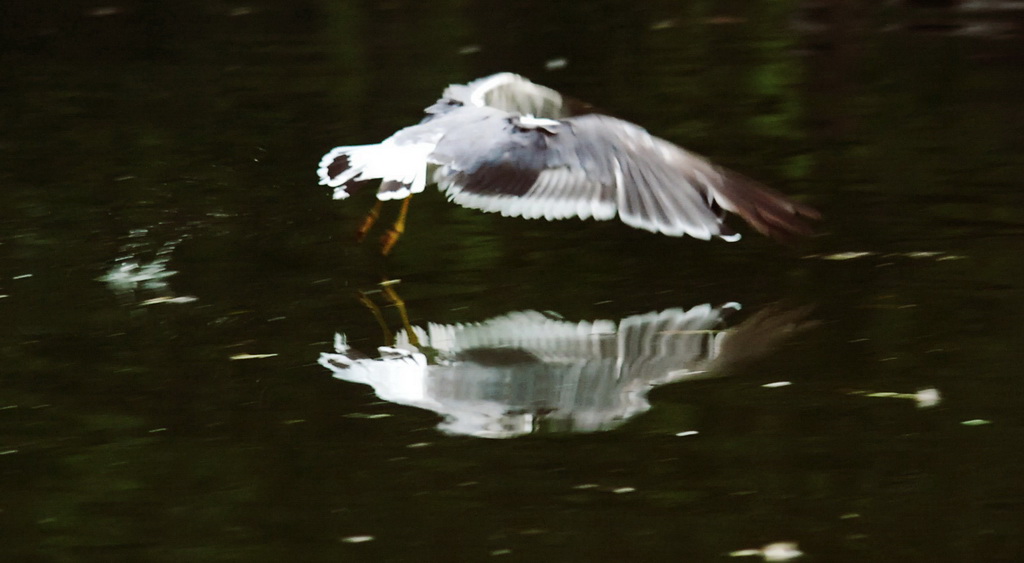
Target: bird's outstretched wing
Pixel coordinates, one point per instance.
(599, 166)
(514, 94)
(510, 93)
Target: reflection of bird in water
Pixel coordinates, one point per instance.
(504, 144)
(526, 371)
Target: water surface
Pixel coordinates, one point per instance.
(170, 274)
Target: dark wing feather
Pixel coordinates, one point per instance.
(770, 212)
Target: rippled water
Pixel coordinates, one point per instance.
(198, 362)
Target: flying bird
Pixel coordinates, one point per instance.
(506, 145)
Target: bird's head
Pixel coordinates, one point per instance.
(454, 97)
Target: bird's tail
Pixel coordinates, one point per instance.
(402, 168)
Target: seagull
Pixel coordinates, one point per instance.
(527, 371)
(504, 144)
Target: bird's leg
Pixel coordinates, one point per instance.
(368, 221)
(390, 237)
(364, 298)
(399, 304)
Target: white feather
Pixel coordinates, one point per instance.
(387, 161)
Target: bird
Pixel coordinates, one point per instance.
(506, 145)
(527, 371)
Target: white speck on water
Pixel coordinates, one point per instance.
(357, 539)
(779, 551)
(927, 398)
(557, 63)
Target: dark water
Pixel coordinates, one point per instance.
(170, 274)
